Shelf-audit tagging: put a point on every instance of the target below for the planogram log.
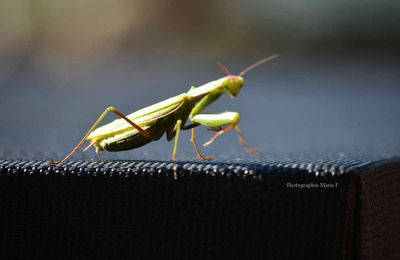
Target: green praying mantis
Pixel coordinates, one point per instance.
(169, 117)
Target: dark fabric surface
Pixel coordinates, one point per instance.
(379, 213)
(127, 209)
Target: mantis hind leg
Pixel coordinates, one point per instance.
(98, 121)
(228, 119)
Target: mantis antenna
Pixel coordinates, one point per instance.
(249, 68)
(225, 69)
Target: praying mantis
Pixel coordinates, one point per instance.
(169, 117)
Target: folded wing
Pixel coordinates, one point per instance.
(144, 118)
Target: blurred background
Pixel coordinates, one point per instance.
(334, 91)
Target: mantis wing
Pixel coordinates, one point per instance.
(144, 118)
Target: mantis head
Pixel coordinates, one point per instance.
(233, 83)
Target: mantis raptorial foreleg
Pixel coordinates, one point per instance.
(218, 120)
(231, 119)
(98, 121)
(218, 134)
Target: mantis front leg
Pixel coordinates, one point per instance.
(228, 119)
(231, 119)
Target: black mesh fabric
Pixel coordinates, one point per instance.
(379, 213)
(135, 209)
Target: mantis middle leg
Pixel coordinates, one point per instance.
(174, 151)
(171, 134)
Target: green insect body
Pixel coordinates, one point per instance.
(169, 117)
